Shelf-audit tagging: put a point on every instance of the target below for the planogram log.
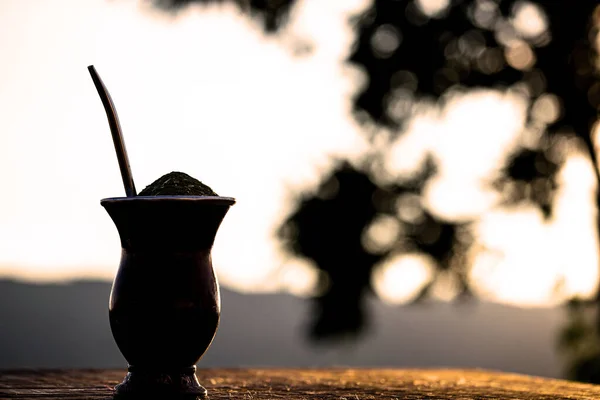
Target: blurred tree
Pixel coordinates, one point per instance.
(412, 50)
(331, 227)
(273, 13)
(542, 50)
(579, 341)
(344, 199)
(547, 50)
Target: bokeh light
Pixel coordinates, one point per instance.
(400, 278)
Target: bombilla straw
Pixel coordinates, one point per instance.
(117, 135)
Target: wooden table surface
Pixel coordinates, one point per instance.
(349, 384)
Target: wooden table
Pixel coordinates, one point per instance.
(350, 384)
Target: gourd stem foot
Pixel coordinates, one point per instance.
(168, 384)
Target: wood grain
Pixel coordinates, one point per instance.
(339, 384)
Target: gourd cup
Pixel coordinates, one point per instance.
(164, 304)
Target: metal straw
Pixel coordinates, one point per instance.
(117, 135)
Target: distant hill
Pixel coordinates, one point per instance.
(66, 325)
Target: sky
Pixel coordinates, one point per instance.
(208, 93)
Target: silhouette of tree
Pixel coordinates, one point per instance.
(273, 13)
(579, 342)
(472, 43)
(543, 50)
(408, 55)
(529, 176)
(329, 228)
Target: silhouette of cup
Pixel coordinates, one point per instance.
(164, 304)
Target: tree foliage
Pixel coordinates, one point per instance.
(544, 50)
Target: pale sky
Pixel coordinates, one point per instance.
(209, 94)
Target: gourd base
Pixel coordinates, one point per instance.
(174, 384)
